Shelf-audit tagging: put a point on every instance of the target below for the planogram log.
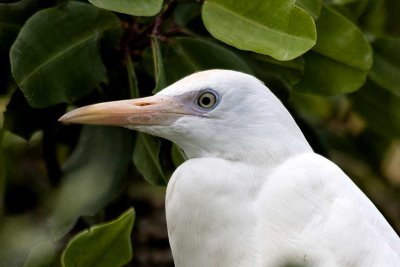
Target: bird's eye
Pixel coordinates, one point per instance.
(207, 100)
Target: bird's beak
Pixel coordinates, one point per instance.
(153, 110)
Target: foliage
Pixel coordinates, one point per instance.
(111, 240)
(334, 64)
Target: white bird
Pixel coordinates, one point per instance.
(253, 192)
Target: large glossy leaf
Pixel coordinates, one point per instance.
(103, 245)
(56, 58)
(276, 28)
(131, 7)
(146, 159)
(341, 40)
(93, 174)
(186, 55)
(340, 60)
(386, 68)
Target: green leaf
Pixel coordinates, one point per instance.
(93, 175)
(190, 55)
(276, 27)
(132, 79)
(146, 159)
(379, 108)
(313, 7)
(340, 60)
(267, 69)
(324, 76)
(56, 58)
(158, 63)
(131, 7)
(103, 245)
(313, 108)
(186, 13)
(386, 68)
(178, 156)
(374, 18)
(352, 10)
(12, 17)
(341, 40)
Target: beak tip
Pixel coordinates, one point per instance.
(64, 118)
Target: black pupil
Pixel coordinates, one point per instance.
(206, 100)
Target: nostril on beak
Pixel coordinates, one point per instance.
(143, 104)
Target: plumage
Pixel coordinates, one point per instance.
(253, 193)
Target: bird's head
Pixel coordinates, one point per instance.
(214, 113)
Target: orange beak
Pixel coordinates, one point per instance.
(153, 110)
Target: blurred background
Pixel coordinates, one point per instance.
(58, 180)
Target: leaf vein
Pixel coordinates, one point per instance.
(64, 52)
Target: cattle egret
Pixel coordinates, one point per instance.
(253, 192)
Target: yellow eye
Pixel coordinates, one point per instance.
(207, 100)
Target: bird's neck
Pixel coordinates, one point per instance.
(268, 149)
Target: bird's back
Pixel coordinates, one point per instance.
(305, 211)
(312, 213)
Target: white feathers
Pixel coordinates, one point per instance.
(254, 194)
